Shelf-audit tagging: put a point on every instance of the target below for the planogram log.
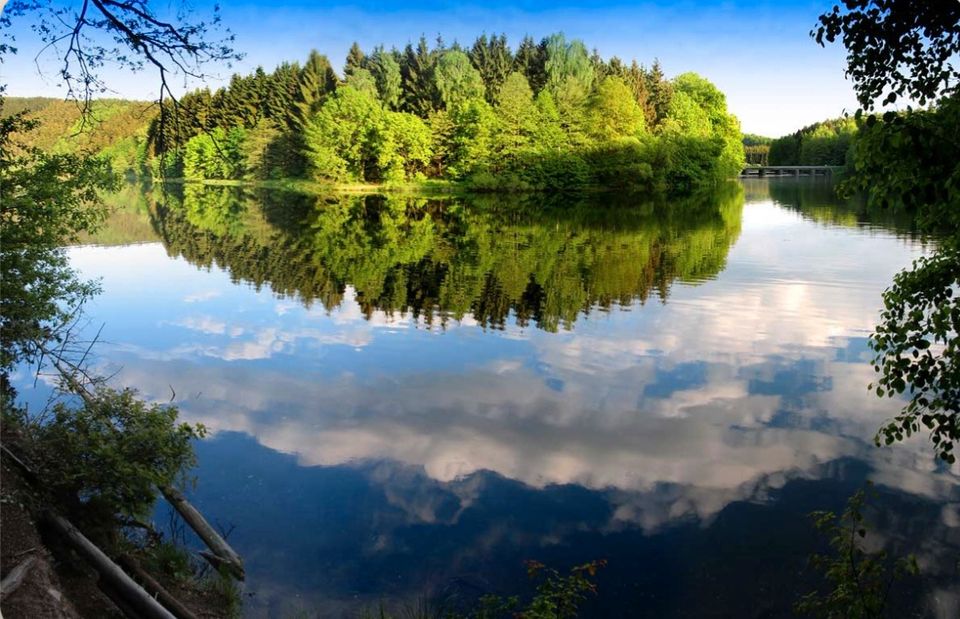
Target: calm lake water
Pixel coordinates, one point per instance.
(408, 398)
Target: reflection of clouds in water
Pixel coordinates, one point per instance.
(207, 325)
(713, 441)
(198, 297)
(728, 383)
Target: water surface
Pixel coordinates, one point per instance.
(408, 398)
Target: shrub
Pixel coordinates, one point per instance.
(112, 452)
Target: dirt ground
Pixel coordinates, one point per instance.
(52, 588)
(59, 584)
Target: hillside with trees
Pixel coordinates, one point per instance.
(114, 128)
(543, 116)
(823, 143)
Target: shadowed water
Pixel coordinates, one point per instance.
(409, 397)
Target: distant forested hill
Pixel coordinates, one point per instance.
(116, 128)
(823, 143)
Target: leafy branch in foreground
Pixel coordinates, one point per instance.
(859, 581)
(47, 200)
(903, 48)
(917, 350)
(131, 34)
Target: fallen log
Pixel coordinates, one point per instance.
(226, 557)
(154, 588)
(15, 578)
(115, 579)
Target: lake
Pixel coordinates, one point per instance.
(407, 398)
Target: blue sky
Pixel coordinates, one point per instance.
(759, 53)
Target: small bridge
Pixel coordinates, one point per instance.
(790, 170)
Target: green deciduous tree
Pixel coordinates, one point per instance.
(723, 124)
(113, 452)
(48, 199)
(518, 117)
(569, 72)
(404, 146)
(339, 138)
(457, 80)
(613, 111)
(216, 154)
(475, 126)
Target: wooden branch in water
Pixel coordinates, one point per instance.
(133, 596)
(154, 588)
(16, 577)
(225, 555)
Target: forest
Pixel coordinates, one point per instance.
(824, 143)
(545, 116)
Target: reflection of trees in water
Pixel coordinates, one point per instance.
(543, 261)
(817, 200)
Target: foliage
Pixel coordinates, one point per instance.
(752, 139)
(918, 353)
(859, 581)
(316, 81)
(901, 48)
(386, 73)
(823, 143)
(547, 117)
(339, 137)
(404, 147)
(47, 201)
(558, 596)
(216, 154)
(456, 79)
(103, 459)
(569, 72)
(909, 162)
(112, 452)
(614, 112)
(494, 60)
(723, 126)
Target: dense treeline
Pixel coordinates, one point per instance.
(543, 115)
(438, 260)
(756, 149)
(822, 143)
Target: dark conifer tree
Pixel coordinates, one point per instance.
(494, 60)
(283, 87)
(530, 60)
(660, 92)
(317, 80)
(420, 94)
(355, 59)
